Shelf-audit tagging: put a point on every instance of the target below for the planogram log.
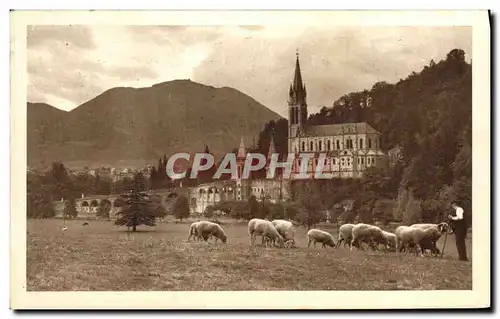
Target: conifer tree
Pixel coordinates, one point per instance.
(137, 208)
(181, 207)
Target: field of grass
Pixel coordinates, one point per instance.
(104, 257)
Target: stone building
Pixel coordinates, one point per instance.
(204, 195)
(350, 148)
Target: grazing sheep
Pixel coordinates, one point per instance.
(345, 234)
(85, 224)
(320, 236)
(206, 229)
(193, 232)
(285, 229)
(64, 229)
(390, 239)
(264, 228)
(437, 231)
(420, 237)
(441, 227)
(367, 233)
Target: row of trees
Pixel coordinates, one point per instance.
(136, 206)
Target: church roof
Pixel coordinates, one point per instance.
(338, 129)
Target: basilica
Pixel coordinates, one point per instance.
(349, 148)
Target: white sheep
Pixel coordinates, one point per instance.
(207, 229)
(390, 239)
(193, 231)
(345, 234)
(441, 227)
(320, 236)
(438, 231)
(419, 237)
(286, 229)
(264, 228)
(370, 234)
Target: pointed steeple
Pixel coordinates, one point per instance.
(298, 89)
(241, 150)
(297, 79)
(272, 149)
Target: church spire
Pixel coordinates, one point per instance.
(298, 87)
(272, 149)
(297, 79)
(241, 150)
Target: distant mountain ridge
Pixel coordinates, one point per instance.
(129, 127)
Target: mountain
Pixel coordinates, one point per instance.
(129, 127)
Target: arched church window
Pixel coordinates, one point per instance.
(360, 143)
(348, 143)
(311, 146)
(369, 143)
(329, 145)
(303, 146)
(338, 144)
(320, 145)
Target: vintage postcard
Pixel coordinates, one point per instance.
(246, 159)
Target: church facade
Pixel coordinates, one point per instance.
(349, 148)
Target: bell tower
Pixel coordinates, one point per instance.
(297, 105)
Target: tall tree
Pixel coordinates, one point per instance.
(181, 207)
(309, 199)
(136, 206)
(254, 209)
(70, 207)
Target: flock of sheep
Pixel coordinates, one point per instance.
(280, 232)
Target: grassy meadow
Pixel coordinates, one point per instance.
(104, 257)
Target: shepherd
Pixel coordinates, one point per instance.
(460, 226)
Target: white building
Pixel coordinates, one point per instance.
(350, 148)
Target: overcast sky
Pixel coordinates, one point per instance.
(69, 65)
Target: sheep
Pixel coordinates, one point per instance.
(193, 231)
(264, 228)
(205, 229)
(345, 234)
(285, 229)
(419, 237)
(390, 239)
(367, 233)
(86, 224)
(320, 236)
(441, 227)
(438, 230)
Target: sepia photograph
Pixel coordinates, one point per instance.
(320, 159)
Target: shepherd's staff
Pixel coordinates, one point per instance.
(444, 244)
